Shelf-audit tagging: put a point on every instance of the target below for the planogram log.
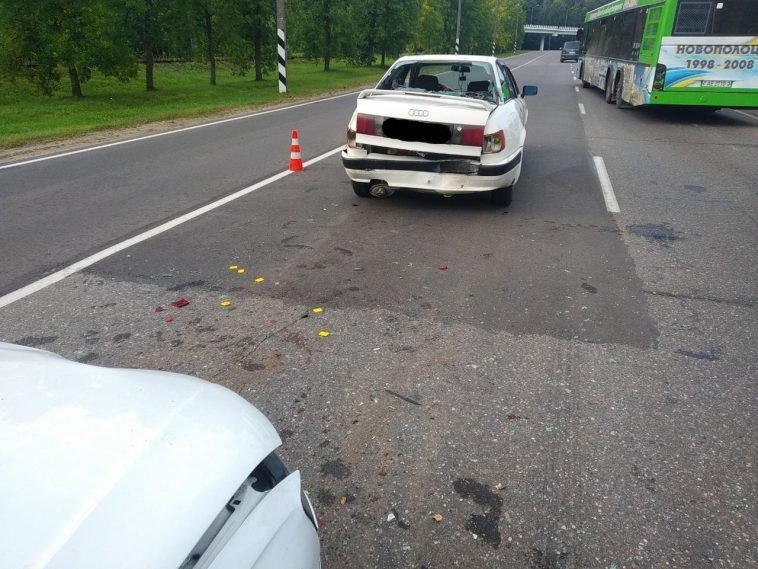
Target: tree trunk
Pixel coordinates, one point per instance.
(327, 35)
(76, 86)
(148, 45)
(211, 45)
(149, 67)
(384, 52)
(258, 63)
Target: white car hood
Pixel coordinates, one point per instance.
(86, 452)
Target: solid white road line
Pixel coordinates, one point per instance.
(605, 185)
(185, 129)
(105, 253)
(582, 109)
(530, 61)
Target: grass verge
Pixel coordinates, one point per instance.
(184, 90)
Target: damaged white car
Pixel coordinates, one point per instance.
(447, 124)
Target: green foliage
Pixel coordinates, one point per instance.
(385, 27)
(45, 40)
(561, 12)
(27, 116)
(41, 37)
(252, 39)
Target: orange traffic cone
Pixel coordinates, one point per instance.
(296, 160)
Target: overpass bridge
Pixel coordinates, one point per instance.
(550, 31)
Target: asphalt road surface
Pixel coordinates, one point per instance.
(566, 387)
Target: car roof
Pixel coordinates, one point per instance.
(447, 57)
(115, 468)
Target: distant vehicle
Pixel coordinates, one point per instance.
(121, 468)
(701, 53)
(570, 51)
(446, 124)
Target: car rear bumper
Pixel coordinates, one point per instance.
(446, 176)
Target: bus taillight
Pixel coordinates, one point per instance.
(660, 77)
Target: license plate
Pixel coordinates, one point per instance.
(707, 83)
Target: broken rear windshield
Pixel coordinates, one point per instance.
(458, 78)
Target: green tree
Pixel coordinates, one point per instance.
(324, 29)
(431, 25)
(386, 27)
(44, 37)
(251, 38)
(508, 22)
(204, 30)
(147, 24)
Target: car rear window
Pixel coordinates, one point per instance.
(571, 45)
(457, 78)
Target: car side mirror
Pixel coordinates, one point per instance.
(528, 90)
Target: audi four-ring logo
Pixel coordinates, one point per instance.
(418, 113)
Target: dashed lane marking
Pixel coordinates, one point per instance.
(605, 185)
(582, 109)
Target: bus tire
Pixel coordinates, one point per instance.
(620, 103)
(585, 84)
(608, 88)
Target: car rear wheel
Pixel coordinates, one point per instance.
(362, 189)
(502, 196)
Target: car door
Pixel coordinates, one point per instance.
(520, 103)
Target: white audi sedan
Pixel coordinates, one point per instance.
(121, 468)
(448, 124)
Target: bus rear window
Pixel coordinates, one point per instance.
(716, 18)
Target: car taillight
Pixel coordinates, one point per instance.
(493, 143)
(365, 124)
(472, 135)
(660, 77)
(351, 138)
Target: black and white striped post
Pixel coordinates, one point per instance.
(497, 21)
(281, 45)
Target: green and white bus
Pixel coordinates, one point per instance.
(702, 53)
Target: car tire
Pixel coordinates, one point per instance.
(362, 189)
(609, 88)
(502, 196)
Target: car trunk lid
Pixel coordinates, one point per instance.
(422, 122)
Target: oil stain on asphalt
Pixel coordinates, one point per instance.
(483, 525)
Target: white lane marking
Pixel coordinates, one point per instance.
(576, 88)
(185, 129)
(528, 62)
(605, 185)
(744, 114)
(582, 109)
(105, 253)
